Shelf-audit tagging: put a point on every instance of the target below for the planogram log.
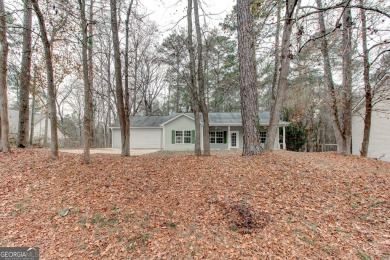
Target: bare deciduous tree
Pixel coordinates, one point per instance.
(118, 77)
(127, 90)
(201, 83)
(87, 84)
(285, 58)
(50, 79)
(192, 87)
(4, 144)
(367, 85)
(25, 77)
(345, 145)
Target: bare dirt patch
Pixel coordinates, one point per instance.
(280, 205)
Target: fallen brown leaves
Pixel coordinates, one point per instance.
(280, 205)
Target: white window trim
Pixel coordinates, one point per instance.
(183, 136)
(237, 139)
(217, 137)
(262, 132)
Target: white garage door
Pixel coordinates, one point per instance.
(146, 138)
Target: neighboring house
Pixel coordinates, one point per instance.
(39, 127)
(379, 145)
(177, 131)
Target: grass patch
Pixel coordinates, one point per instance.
(98, 219)
(354, 205)
(127, 217)
(170, 224)
(63, 212)
(308, 241)
(363, 256)
(139, 239)
(21, 205)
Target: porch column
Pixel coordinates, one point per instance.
(228, 137)
(163, 137)
(284, 137)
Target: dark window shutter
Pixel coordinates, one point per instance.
(193, 136)
(173, 136)
(224, 137)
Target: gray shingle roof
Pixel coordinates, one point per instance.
(233, 118)
(148, 121)
(214, 118)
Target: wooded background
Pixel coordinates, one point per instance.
(91, 63)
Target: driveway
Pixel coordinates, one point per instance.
(133, 152)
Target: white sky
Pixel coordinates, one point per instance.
(167, 13)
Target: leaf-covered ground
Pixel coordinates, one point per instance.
(276, 206)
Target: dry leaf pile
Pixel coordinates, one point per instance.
(280, 205)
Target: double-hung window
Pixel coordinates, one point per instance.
(183, 137)
(216, 137)
(179, 137)
(187, 137)
(263, 136)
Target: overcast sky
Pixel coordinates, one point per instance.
(167, 13)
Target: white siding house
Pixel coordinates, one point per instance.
(177, 131)
(39, 127)
(379, 145)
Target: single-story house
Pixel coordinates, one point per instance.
(379, 145)
(39, 127)
(177, 131)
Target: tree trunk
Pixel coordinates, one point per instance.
(367, 86)
(135, 79)
(276, 55)
(50, 80)
(90, 72)
(87, 86)
(285, 57)
(23, 127)
(33, 93)
(347, 82)
(177, 101)
(193, 88)
(201, 84)
(127, 90)
(248, 79)
(118, 79)
(335, 113)
(45, 134)
(4, 140)
(109, 95)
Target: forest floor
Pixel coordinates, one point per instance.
(134, 152)
(280, 205)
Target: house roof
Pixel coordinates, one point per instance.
(235, 118)
(147, 121)
(229, 118)
(13, 118)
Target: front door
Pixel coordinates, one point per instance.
(234, 141)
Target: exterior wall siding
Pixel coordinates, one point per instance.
(219, 129)
(116, 138)
(147, 138)
(39, 132)
(379, 146)
(182, 123)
